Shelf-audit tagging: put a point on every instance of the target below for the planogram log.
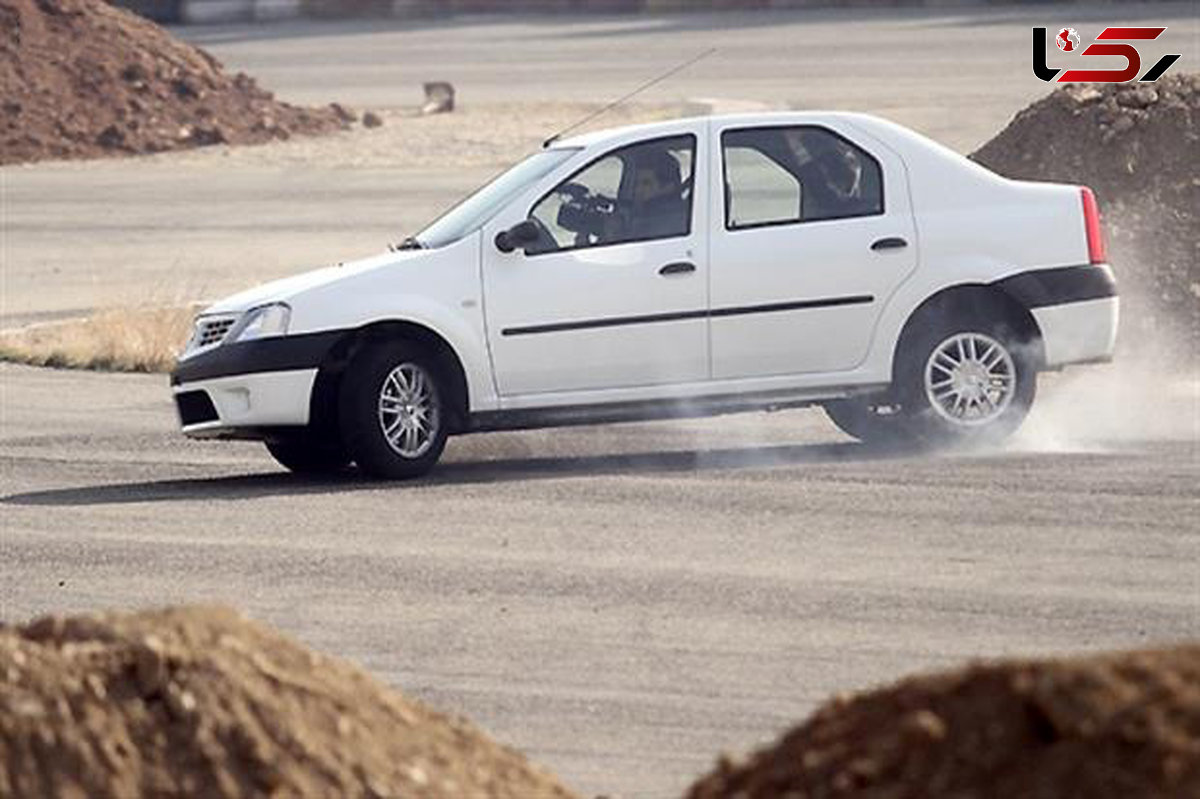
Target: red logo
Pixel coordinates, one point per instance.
(1068, 42)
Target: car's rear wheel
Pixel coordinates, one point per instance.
(966, 381)
(309, 455)
(392, 410)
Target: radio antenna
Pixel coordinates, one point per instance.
(633, 93)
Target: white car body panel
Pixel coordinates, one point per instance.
(964, 226)
(619, 280)
(436, 289)
(973, 227)
(1079, 332)
(805, 261)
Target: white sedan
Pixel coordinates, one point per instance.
(691, 267)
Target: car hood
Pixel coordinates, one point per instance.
(284, 289)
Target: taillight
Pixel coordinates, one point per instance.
(1097, 251)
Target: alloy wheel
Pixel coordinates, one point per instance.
(408, 410)
(970, 379)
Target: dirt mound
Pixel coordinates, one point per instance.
(81, 79)
(1118, 726)
(201, 702)
(1136, 145)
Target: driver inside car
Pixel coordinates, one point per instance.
(656, 208)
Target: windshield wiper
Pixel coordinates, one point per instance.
(410, 243)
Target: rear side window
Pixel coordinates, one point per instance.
(804, 173)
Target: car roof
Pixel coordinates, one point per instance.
(669, 126)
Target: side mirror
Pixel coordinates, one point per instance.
(517, 236)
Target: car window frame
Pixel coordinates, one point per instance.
(695, 143)
(725, 205)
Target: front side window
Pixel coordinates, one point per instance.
(636, 193)
(785, 175)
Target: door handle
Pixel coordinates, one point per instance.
(678, 268)
(890, 243)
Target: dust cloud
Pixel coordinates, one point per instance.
(1098, 408)
(1149, 392)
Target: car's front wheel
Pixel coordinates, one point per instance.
(392, 410)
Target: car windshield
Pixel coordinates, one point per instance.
(469, 215)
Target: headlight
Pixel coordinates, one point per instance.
(262, 322)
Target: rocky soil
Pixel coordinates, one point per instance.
(82, 79)
(1138, 147)
(1108, 727)
(201, 702)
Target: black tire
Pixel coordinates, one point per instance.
(924, 422)
(871, 424)
(361, 413)
(310, 455)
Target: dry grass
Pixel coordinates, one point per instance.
(118, 340)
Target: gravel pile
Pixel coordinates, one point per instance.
(81, 79)
(1118, 726)
(1137, 146)
(201, 702)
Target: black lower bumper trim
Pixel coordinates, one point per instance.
(282, 354)
(1039, 288)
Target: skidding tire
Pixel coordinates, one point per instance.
(966, 382)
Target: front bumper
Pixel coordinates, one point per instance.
(244, 389)
(246, 405)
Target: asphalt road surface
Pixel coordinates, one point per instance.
(620, 602)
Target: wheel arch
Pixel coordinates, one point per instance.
(972, 299)
(324, 401)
